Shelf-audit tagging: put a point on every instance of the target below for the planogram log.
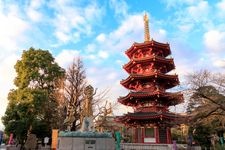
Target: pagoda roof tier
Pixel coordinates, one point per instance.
(138, 98)
(168, 81)
(148, 44)
(151, 118)
(168, 62)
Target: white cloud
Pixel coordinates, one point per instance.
(76, 37)
(221, 6)
(12, 29)
(199, 12)
(162, 32)
(33, 10)
(62, 36)
(112, 76)
(220, 63)
(214, 40)
(120, 7)
(185, 27)
(93, 13)
(7, 72)
(106, 78)
(66, 57)
(130, 30)
(6, 81)
(103, 54)
(90, 48)
(132, 25)
(191, 17)
(36, 3)
(120, 62)
(101, 38)
(34, 15)
(1, 7)
(179, 3)
(92, 57)
(70, 18)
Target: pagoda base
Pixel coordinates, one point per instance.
(154, 135)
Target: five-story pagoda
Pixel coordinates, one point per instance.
(148, 83)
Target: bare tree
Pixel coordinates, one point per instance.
(75, 83)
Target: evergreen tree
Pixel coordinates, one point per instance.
(32, 105)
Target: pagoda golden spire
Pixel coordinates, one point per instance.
(146, 27)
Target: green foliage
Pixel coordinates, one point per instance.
(32, 105)
(177, 135)
(41, 129)
(201, 134)
(37, 69)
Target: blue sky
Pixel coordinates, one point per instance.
(100, 32)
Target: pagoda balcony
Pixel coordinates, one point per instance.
(152, 108)
(136, 99)
(152, 58)
(168, 81)
(156, 61)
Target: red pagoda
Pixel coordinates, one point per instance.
(148, 83)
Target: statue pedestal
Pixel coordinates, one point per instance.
(85, 141)
(76, 143)
(87, 124)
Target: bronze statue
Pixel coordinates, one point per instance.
(88, 97)
(87, 122)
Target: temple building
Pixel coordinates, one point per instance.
(148, 82)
